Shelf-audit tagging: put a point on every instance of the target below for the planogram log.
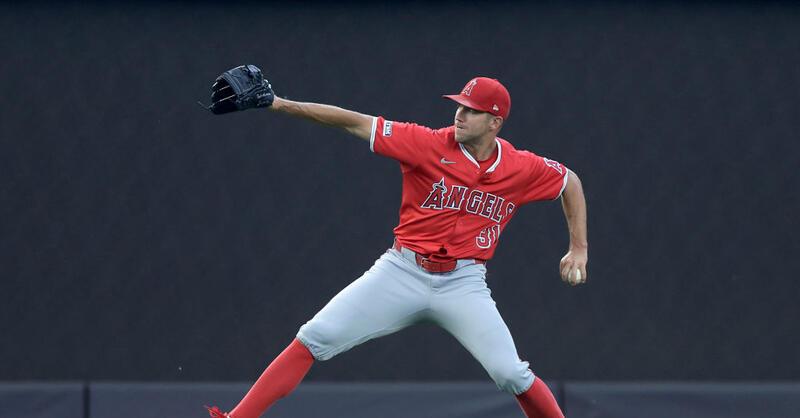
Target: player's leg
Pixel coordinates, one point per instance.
(462, 304)
(277, 381)
(385, 299)
(538, 401)
(390, 296)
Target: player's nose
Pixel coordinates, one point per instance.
(460, 113)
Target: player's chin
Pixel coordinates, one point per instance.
(461, 136)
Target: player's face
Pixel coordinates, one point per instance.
(471, 124)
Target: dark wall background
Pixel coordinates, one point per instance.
(143, 239)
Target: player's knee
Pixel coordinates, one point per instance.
(322, 338)
(511, 377)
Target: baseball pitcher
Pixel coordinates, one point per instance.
(462, 184)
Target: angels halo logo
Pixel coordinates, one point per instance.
(468, 89)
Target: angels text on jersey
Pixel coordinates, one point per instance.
(473, 201)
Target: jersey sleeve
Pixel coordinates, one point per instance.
(400, 141)
(547, 178)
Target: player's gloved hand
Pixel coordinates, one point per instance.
(573, 266)
(240, 88)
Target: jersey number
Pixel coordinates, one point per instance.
(488, 236)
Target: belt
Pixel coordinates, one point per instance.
(433, 266)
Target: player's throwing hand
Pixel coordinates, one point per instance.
(573, 267)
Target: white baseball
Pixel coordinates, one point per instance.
(577, 275)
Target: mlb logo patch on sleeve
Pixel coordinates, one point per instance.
(387, 128)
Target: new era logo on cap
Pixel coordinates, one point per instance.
(484, 94)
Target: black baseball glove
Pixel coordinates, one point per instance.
(240, 88)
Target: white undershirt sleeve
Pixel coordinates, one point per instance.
(372, 134)
(564, 186)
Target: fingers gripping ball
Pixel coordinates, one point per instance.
(240, 88)
(577, 279)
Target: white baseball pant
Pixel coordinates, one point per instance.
(396, 293)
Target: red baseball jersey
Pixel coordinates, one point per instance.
(451, 208)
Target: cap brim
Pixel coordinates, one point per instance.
(464, 101)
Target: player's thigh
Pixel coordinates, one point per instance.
(470, 314)
(383, 300)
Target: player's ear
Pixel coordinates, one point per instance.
(496, 122)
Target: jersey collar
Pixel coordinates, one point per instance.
(496, 163)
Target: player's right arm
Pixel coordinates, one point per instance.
(356, 123)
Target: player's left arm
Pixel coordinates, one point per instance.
(358, 124)
(574, 204)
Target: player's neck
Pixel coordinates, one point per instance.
(481, 149)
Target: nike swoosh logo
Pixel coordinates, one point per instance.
(444, 161)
